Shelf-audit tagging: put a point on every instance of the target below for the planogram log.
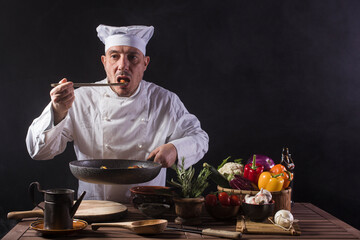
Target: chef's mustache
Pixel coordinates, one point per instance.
(123, 73)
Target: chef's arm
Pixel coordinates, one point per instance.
(44, 140)
(190, 141)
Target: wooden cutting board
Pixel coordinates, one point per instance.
(100, 211)
(246, 226)
(89, 210)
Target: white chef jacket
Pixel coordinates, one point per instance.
(106, 126)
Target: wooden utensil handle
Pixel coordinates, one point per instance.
(91, 84)
(221, 233)
(25, 214)
(96, 226)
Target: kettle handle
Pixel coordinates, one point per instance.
(76, 205)
(32, 193)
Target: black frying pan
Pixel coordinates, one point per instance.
(117, 171)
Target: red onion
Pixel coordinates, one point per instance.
(267, 162)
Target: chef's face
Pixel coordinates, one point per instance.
(125, 63)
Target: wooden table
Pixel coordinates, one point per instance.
(314, 223)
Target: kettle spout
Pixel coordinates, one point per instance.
(76, 205)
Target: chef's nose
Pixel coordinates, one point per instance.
(123, 63)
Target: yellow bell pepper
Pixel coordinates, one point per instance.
(271, 182)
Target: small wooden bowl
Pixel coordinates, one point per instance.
(222, 212)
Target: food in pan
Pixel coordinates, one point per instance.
(136, 166)
(130, 167)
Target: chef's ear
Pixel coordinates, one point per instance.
(146, 61)
(103, 59)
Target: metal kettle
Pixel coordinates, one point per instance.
(59, 207)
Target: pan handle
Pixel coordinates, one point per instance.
(151, 158)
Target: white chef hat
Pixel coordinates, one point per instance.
(133, 36)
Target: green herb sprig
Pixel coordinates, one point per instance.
(190, 187)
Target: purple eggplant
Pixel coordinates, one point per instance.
(241, 183)
(267, 162)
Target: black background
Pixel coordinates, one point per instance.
(260, 75)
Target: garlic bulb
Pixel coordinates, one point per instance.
(284, 218)
(262, 197)
(249, 199)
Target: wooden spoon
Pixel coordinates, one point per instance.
(151, 226)
(25, 214)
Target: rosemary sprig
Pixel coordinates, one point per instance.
(190, 187)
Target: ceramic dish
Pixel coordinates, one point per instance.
(153, 210)
(258, 213)
(151, 194)
(77, 226)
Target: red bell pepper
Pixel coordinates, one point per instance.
(253, 170)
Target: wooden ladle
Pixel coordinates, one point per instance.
(151, 226)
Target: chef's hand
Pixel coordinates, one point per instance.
(166, 155)
(62, 98)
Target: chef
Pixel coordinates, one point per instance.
(135, 120)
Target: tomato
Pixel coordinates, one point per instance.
(234, 200)
(224, 199)
(210, 200)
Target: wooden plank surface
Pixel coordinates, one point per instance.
(314, 223)
(267, 227)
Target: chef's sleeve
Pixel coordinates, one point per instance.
(44, 140)
(190, 140)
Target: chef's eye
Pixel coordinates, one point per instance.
(114, 56)
(133, 58)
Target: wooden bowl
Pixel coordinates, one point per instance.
(222, 212)
(282, 198)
